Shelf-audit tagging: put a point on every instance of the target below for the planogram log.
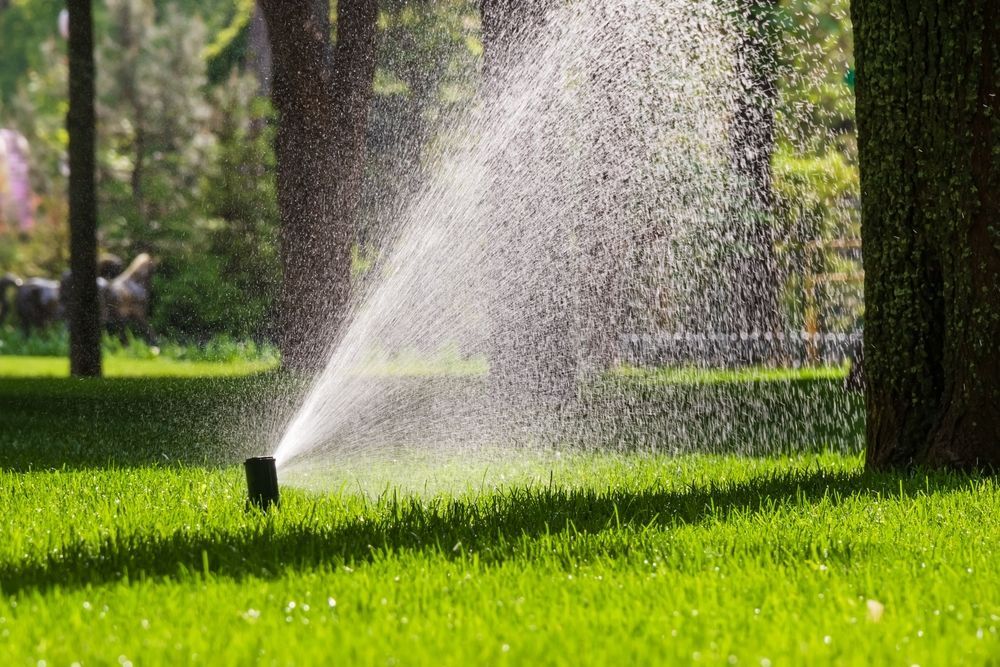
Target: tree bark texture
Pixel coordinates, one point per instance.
(754, 269)
(928, 110)
(506, 24)
(322, 94)
(259, 51)
(81, 124)
(533, 362)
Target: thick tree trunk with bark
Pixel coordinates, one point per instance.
(322, 95)
(533, 360)
(506, 24)
(928, 110)
(754, 271)
(81, 124)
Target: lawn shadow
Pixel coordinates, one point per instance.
(493, 528)
(142, 422)
(80, 424)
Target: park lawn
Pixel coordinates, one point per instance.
(137, 555)
(695, 375)
(58, 367)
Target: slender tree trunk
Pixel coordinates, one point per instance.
(81, 123)
(322, 97)
(928, 110)
(259, 47)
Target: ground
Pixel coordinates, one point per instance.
(148, 557)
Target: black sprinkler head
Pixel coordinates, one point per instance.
(262, 482)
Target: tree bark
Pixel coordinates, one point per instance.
(322, 95)
(533, 360)
(259, 51)
(505, 25)
(928, 110)
(81, 124)
(753, 272)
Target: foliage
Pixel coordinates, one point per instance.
(427, 60)
(38, 111)
(24, 24)
(817, 209)
(155, 141)
(186, 161)
(816, 113)
(186, 172)
(228, 47)
(120, 549)
(229, 282)
(816, 183)
(51, 342)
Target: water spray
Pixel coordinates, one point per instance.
(262, 482)
(593, 193)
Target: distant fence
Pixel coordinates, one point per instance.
(795, 348)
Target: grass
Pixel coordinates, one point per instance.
(124, 367)
(115, 547)
(694, 375)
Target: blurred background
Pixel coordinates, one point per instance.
(186, 163)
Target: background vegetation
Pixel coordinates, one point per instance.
(186, 166)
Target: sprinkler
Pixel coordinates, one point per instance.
(262, 482)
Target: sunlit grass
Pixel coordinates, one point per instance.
(695, 375)
(56, 367)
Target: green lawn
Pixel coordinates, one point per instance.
(124, 540)
(58, 367)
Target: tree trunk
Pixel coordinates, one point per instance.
(259, 51)
(928, 110)
(81, 123)
(506, 24)
(533, 359)
(753, 271)
(322, 100)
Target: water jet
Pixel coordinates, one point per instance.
(262, 482)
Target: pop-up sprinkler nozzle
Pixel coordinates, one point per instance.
(262, 482)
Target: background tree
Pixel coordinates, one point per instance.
(505, 25)
(155, 126)
(752, 139)
(322, 100)
(928, 111)
(220, 277)
(81, 124)
(534, 360)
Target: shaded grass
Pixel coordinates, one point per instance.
(215, 419)
(750, 411)
(58, 423)
(498, 524)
